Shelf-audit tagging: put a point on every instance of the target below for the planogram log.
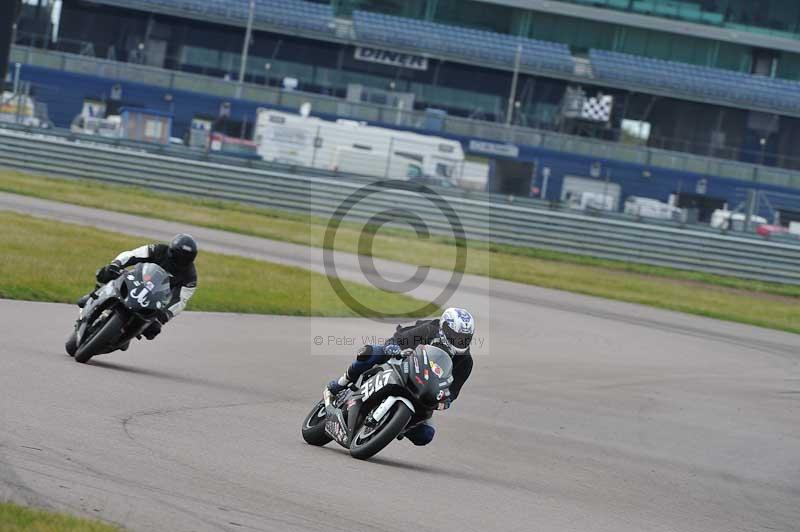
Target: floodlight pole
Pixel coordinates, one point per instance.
(513, 95)
(8, 17)
(246, 47)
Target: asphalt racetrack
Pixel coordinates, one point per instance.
(581, 415)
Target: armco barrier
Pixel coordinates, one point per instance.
(517, 224)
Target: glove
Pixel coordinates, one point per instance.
(392, 350)
(108, 273)
(164, 316)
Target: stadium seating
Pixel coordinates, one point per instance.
(470, 44)
(294, 14)
(737, 88)
(473, 45)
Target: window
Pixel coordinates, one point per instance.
(472, 14)
(444, 170)
(405, 8)
(153, 128)
(414, 171)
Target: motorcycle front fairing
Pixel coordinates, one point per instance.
(145, 292)
(431, 376)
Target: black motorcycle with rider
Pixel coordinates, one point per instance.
(391, 391)
(136, 294)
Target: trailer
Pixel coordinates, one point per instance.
(354, 147)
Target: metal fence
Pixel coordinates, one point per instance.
(472, 128)
(486, 218)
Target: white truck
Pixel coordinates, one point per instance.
(354, 147)
(652, 208)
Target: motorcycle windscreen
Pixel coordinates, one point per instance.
(439, 362)
(148, 288)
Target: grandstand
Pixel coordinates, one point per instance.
(467, 43)
(290, 14)
(737, 88)
(710, 79)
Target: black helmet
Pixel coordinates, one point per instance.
(183, 250)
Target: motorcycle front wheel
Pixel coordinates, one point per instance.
(313, 430)
(371, 438)
(71, 345)
(99, 338)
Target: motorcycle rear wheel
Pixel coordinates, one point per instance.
(369, 441)
(313, 430)
(99, 339)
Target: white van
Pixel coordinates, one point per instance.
(652, 208)
(722, 219)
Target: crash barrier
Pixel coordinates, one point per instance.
(527, 224)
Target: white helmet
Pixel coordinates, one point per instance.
(456, 329)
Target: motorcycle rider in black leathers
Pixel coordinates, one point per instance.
(176, 258)
(452, 333)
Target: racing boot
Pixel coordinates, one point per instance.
(420, 435)
(334, 388)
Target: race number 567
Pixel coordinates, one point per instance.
(376, 383)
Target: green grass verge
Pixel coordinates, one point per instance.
(15, 518)
(758, 303)
(43, 260)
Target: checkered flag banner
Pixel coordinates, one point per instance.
(598, 108)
